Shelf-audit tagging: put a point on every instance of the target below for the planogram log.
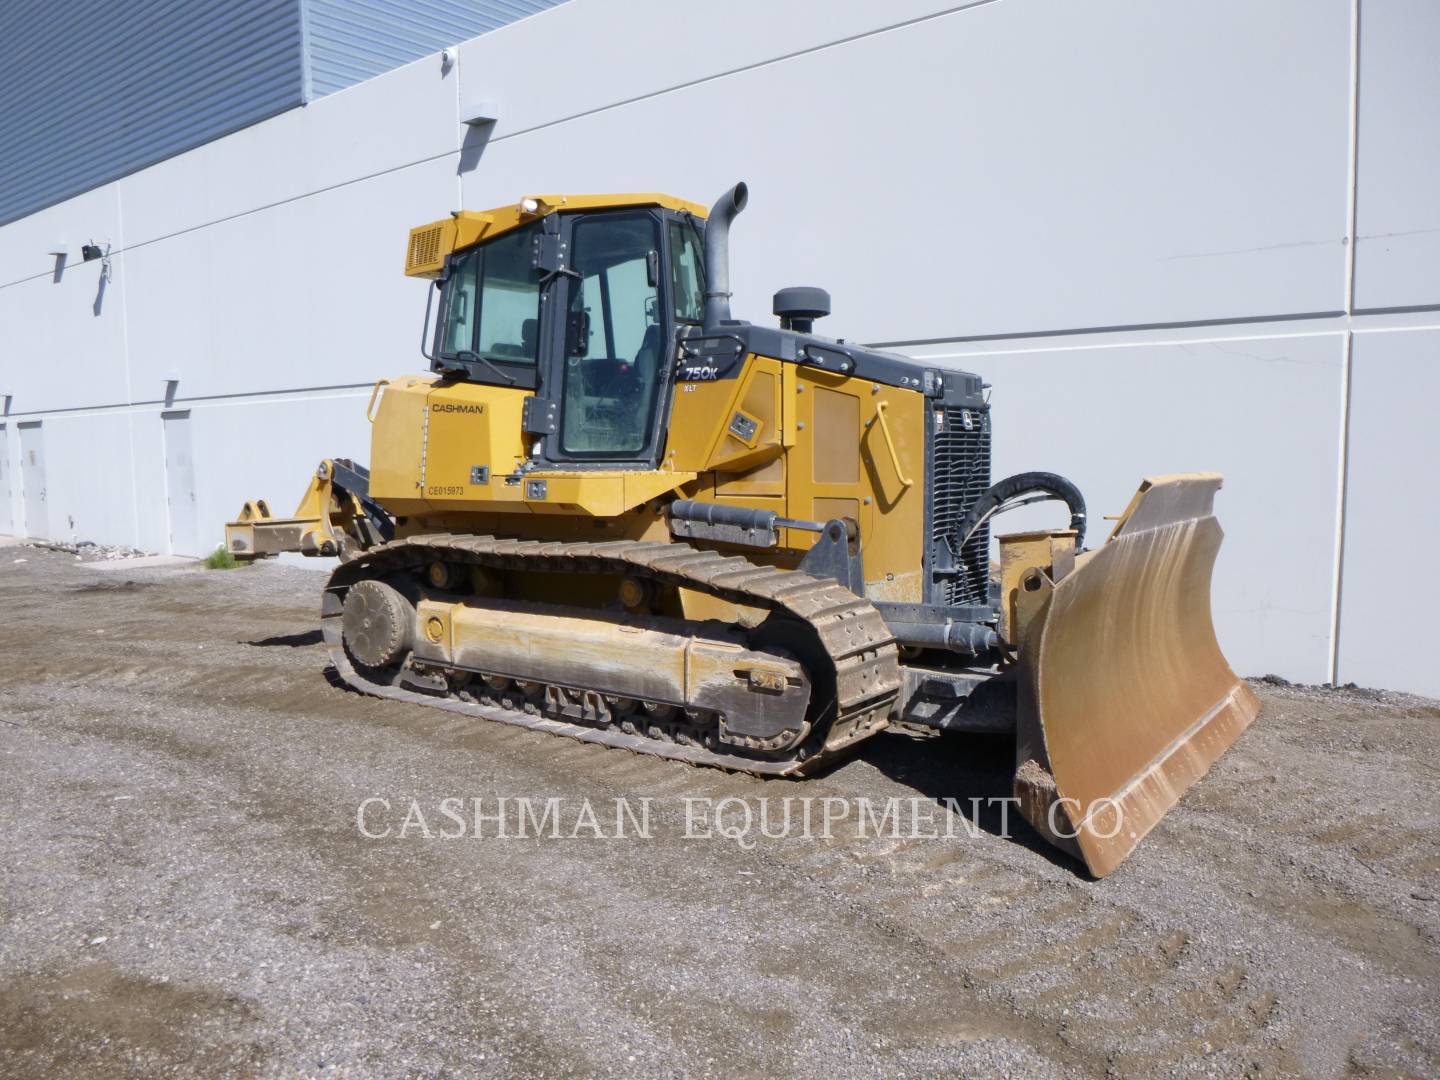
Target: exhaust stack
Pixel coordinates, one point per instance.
(717, 255)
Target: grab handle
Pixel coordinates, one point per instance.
(374, 393)
(880, 407)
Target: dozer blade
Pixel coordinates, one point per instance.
(1125, 699)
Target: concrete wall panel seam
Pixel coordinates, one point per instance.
(129, 380)
(1342, 464)
(1353, 164)
(1342, 485)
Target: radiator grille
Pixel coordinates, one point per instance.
(961, 474)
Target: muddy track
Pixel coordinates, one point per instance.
(182, 783)
(852, 639)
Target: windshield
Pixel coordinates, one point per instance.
(492, 303)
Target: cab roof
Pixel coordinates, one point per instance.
(432, 243)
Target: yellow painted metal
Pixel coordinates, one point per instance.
(700, 606)
(397, 438)
(645, 522)
(599, 494)
(645, 658)
(825, 445)
(1125, 697)
(380, 384)
(468, 425)
(701, 438)
(431, 243)
(1019, 554)
(454, 448)
(320, 525)
(841, 466)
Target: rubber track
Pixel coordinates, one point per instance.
(853, 634)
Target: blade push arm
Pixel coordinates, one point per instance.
(336, 517)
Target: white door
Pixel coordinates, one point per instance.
(180, 484)
(7, 510)
(32, 481)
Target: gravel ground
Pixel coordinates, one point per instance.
(184, 889)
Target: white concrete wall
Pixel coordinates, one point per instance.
(1173, 236)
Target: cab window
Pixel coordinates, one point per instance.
(687, 276)
(613, 335)
(492, 303)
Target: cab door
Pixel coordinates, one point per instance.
(611, 379)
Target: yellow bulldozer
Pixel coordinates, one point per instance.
(613, 511)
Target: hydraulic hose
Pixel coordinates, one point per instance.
(1014, 487)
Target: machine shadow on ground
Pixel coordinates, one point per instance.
(289, 641)
(976, 771)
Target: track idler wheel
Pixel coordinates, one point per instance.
(377, 624)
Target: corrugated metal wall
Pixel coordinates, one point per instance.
(92, 89)
(354, 40)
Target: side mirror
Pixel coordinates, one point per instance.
(652, 268)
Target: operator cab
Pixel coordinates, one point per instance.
(582, 307)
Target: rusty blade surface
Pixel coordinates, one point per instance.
(1125, 697)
